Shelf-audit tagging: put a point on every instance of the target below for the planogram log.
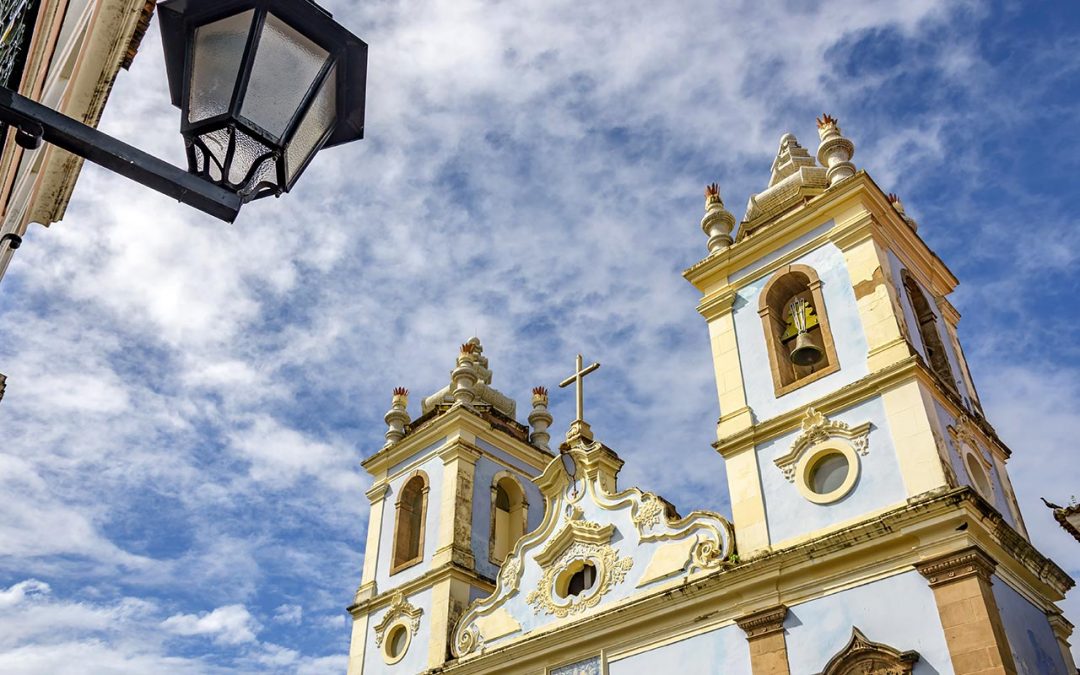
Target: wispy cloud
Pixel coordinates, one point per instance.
(188, 402)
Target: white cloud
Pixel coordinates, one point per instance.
(231, 624)
(293, 614)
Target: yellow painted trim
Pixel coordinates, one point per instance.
(805, 466)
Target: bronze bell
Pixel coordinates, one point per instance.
(806, 353)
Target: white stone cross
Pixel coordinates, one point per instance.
(579, 377)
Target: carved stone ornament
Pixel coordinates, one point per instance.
(610, 571)
(816, 428)
(963, 432)
(863, 657)
(399, 608)
(588, 522)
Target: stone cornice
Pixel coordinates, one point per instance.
(377, 492)
(858, 191)
(460, 417)
(423, 582)
(763, 622)
(958, 565)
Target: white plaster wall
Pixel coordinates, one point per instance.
(899, 611)
(415, 659)
(879, 485)
(433, 467)
(1034, 647)
(481, 518)
(720, 651)
(843, 313)
(1001, 498)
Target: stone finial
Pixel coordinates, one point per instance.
(540, 419)
(835, 151)
(465, 376)
(398, 416)
(899, 206)
(718, 222)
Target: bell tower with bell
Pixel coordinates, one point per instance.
(845, 397)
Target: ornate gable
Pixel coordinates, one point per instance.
(863, 657)
(594, 548)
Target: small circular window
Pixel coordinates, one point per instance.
(828, 473)
(397, 643)
(576, 579)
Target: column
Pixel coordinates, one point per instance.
(969, 614)
(768, 647)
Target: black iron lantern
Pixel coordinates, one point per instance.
(263, 85)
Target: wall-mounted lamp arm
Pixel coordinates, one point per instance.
(35, 121)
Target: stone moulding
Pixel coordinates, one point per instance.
(959, 565)
(816, 428)
(862, 656)
(566, 536)
(399, 608)
(764, 622)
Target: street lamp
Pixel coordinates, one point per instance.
(262, 85)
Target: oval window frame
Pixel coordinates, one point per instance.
(388, 641)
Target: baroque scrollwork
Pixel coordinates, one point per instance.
(610, 571)
(816, 427)
(648, 512)
(399, 608)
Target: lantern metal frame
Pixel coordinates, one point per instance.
(35, 122)
(346, 54)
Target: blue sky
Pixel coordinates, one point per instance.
(189, 402)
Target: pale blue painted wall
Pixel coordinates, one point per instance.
(720, 651)
(481, 519)
(1001, 499)
(789, 514)
(1034, 647)
(405, 461)
(433, 467)
(899, 611)
(843, 313)
(415, 659)
(782, 251)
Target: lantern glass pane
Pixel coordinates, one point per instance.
(286, 65)
(318, 119)
(218, 51)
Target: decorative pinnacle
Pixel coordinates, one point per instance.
(718, 221)
(540, 419)
(401, 391)
(899, 206)
(827, 120)
(835, 151)
(468, 347)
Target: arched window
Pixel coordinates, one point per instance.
(409, 526)
(509, 512)
(927, 320)
(796, 325)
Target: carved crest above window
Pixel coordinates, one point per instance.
(399, 610)
(816, 428)
(864, 657)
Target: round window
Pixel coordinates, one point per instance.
(828, 473)
(397, 642)
(978, 475)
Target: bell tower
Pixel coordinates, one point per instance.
(845, 399)
(453, 491)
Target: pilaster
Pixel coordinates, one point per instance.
(377, 497)
(907, 410)
(969, 614)
(1062, 630)
(449, 598)
(768, 646)
(734, 414)
(875, 297)
(357, 644)
(747, 501)
(454, 543)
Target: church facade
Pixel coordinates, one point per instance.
(874, 528)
